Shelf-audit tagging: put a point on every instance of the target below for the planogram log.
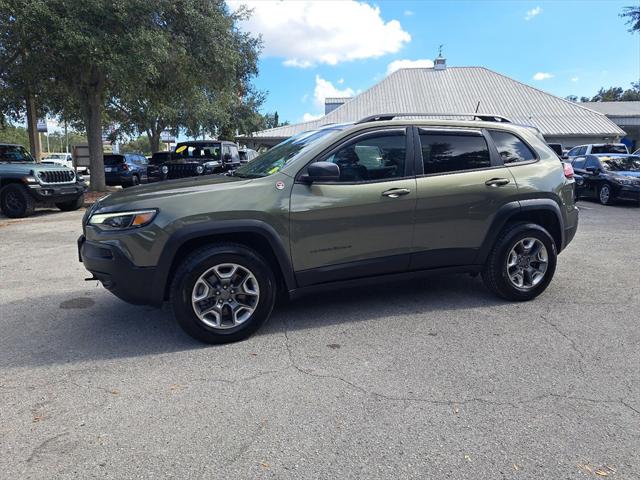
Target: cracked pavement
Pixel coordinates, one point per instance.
(425, 379)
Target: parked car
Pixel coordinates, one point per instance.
(596, 148)
(346, 204)
(126, 170)
(157, 170)
(65, 159)
(202, 157)
(25, 184)
(608, 178)
(247, 154)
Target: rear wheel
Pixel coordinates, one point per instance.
(16, 202)
(223, 293)
(522, 262)
(71, 205)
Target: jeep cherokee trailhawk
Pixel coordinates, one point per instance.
(387, 197)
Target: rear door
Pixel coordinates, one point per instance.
(461, 183)
(361, 225)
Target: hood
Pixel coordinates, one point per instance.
(628, 173)
(29, 168)
(185, 186)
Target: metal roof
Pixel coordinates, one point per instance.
(615, 109)
(459, 89)
(333, 100)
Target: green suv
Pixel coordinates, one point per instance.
(25, 184)
(384, 198)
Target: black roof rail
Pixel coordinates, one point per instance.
(485, 117)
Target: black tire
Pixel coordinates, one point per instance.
(71, 204)
(495, 274)
(16, 202)
(135, 181)
(608, 198)
(202, 260)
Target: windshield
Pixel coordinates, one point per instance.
(211, 151)
(15, 154)
(621, 164)
(609, 149)
(273, 160)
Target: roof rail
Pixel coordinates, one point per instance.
(485, 117)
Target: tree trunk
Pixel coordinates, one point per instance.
(93, 122)
(154, 140)
(32, 126)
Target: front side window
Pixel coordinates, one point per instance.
(592, 162)
(453, 152)
(511, 148)
(582, 150)
(377, 157)
(579, 163)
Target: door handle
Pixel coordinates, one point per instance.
(496, 182)
(396, 192)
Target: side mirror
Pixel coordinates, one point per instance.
(594, 170)
(322, 172)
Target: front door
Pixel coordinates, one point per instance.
(361, 225)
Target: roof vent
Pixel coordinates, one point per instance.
(440, 63)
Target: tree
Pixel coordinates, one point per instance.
(571, 98)
(204, 83)
(632, 14)
(611, 94)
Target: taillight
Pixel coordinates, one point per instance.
(568, 170)
(125, 167)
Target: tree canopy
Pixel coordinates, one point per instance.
(612, 94)
(141, 66)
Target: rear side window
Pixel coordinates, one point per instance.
(608, 149)
(453, 152)
(511, 148)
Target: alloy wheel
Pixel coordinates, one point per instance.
(225, 296)
(605, 194)
(527, 263)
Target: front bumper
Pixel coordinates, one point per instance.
(57, 193)
(118, 274)
(629, 193)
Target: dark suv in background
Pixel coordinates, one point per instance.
(202, 157)
(127, 170)
(380, 199)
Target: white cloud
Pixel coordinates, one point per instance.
(543, 76)
(574, 79)
(408, 13)
(324, 88)
(307, 33)
(308, 117)
(534, 12)
(398, 64)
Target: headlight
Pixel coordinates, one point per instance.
(123, 220)
(199, 169)
(625, 181)
(165, 169)
(30, 180)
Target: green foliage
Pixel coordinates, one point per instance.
(139, 145)
(632, 14)
(613, 94)
(57, 141)
(14, 135)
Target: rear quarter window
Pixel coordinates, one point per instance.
(511, 148)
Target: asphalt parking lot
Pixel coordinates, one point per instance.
(428, 379)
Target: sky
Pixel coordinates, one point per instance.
(318, 49)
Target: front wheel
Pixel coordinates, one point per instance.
(605, 194)
(16, 202)
(522, 262)
(71, 204)
(223, 293)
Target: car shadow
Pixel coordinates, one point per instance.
(39, 212)
(72, 329)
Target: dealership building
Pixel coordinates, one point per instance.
(443, 89)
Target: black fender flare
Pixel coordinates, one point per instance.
(222, 227)
(507, 211)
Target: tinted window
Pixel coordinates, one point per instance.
(579, 163)
(243, 155)
(14, 153)
(608, 149)
(511, 148)
(113, 159)
(234, 154)
(373, 158)
(582, 150)
(453, 152)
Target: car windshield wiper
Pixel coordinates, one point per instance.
(246, 175)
